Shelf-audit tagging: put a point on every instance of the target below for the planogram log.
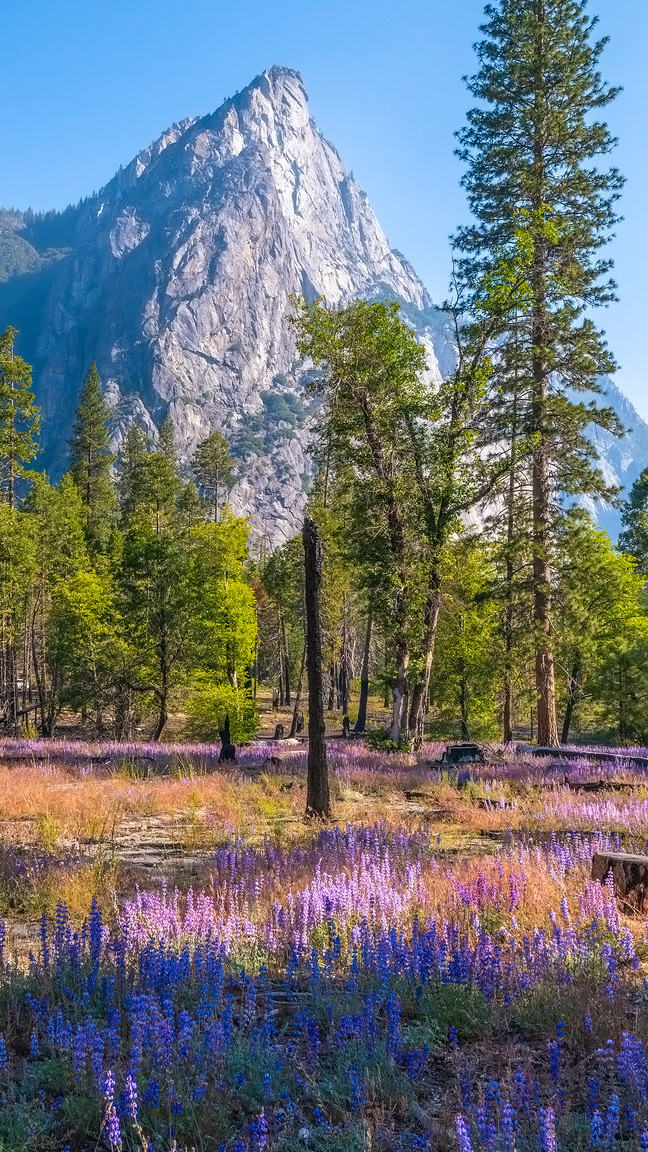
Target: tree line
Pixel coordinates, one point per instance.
(123, 584)
(462, 574)
(456, 513)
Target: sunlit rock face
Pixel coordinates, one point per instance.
(179, 285)
(176, 279)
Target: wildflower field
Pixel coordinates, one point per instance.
(185, 963)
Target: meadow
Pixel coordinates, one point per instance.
(187, 964)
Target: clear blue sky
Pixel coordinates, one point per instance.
(85, 84)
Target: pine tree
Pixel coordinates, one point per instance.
(213, 467)
(530, 148)
(166, 440)
(634, 517)
(19, 416)
(91, 461)
(131, 463)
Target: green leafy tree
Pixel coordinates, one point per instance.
(530, 148)
(600, 618)
(411, 459)
(82, 644)
(55, 519)
(214, 468)
(91, 461)
(468, 654)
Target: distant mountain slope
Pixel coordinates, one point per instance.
(176, 278)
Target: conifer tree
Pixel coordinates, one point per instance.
(91, 461)
(530, 148)
(634, 517)
(19, 416)
(131, 463)
(213, 467)
(166, 440)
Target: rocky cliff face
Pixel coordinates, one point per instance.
(178, 284)
(176, 279)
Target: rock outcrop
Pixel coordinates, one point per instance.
(176, 279)
(178, 284)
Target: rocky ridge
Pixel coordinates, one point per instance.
(176, 279)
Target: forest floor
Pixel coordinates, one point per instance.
(433, 968)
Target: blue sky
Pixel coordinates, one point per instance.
(85, 85)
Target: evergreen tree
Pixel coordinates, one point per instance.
(91, 461)
(131, 462)
(166, 440)
(213, 467)
(19, 416)
(634, 517)
(530, 147)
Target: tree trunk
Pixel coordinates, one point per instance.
(541, 472)
(361, 722)
(421, 690)
(400, 692)
(163, 694)
(318, 798)
(298, 694)
(284, 646)
(573, 693)
(331, 688)
(463, 706)
(507, 712)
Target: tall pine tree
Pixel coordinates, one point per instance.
(634, 517)
(91, 461)
(530, 148)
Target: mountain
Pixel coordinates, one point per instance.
(176, 279)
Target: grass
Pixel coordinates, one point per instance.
(470, 859)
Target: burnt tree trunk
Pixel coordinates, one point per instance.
(298, 695)
(361, 722)
(284, 649)
(318, 799)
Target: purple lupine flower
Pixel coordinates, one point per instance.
(547, 1135)
(3, 1053)
(596, 1128)
(508, 1126)
(131, 1096)
(259, 1132)
(463, 1137)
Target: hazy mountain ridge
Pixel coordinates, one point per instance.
(176, 279)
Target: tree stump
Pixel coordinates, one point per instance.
(630, 876)
(228, 751)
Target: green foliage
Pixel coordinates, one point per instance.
(19, 417)
(210, 701)
(542, 208)
(467, 666)
(634, 517)
(91, 462)
(214, 468)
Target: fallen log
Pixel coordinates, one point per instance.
(600, 785)
(629, 874)
(583, 754)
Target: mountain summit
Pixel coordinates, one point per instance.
(178, 282)
(176, 279)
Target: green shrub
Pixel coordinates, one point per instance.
(379, 740)
(208, 705)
